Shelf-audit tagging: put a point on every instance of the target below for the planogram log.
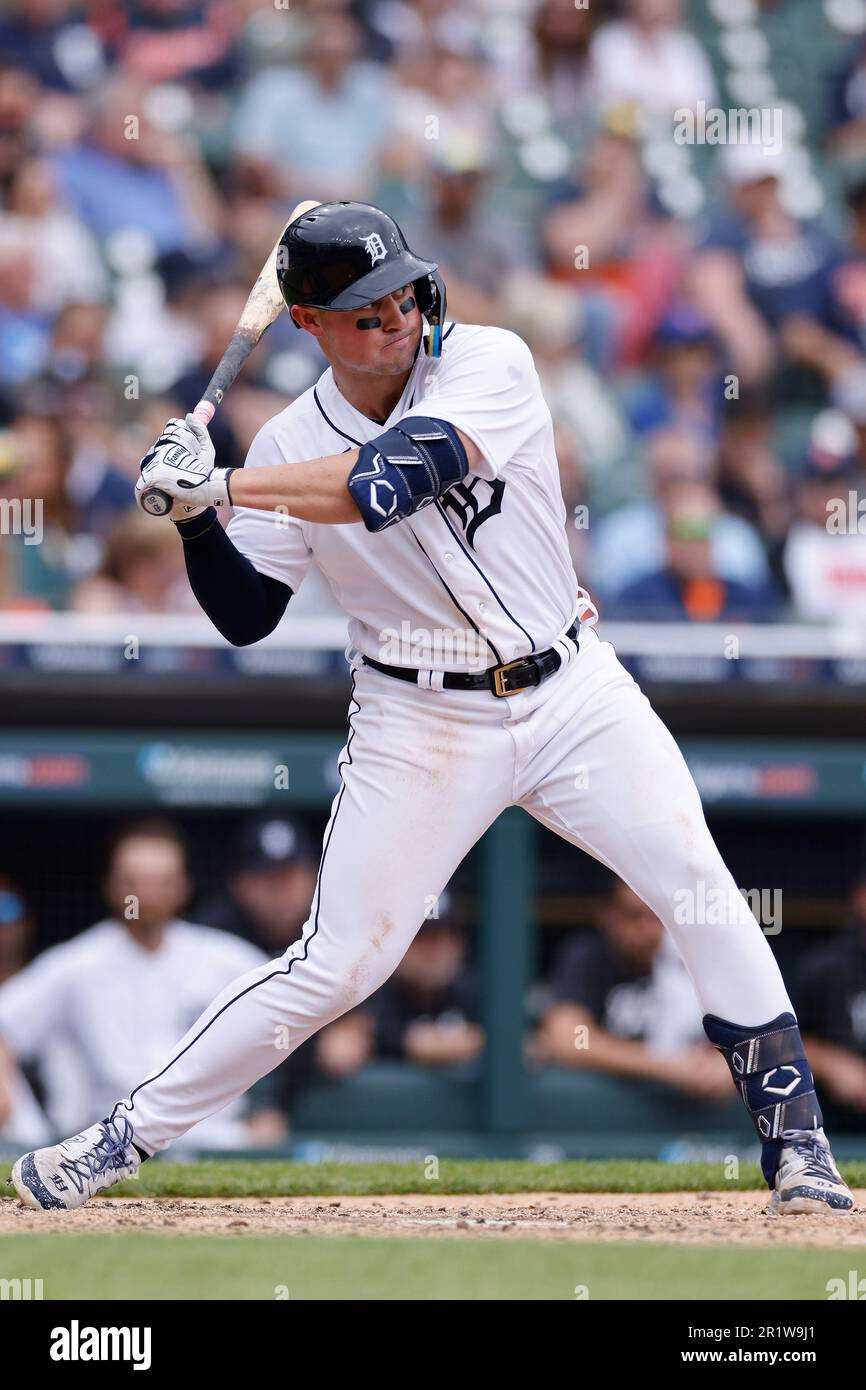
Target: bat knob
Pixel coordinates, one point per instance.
(156, 502)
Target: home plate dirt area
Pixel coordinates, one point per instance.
(679, 1217)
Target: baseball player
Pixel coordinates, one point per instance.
(420, 476)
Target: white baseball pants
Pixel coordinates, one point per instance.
(424, 774)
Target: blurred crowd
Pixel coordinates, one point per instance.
(83, 1021)
(697, 314)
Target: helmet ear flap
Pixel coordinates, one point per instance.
(430, 296)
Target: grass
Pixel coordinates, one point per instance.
(138, 1265)
(301, 1268)
(284, 1178)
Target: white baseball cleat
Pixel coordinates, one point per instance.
(807, 1179)
(69, 1174)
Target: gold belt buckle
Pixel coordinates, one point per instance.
(499, 676)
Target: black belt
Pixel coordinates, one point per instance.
(507, 679)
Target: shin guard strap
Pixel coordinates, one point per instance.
(770, 1072)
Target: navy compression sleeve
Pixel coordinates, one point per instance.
(242, 604)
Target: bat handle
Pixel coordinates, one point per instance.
(205, 412)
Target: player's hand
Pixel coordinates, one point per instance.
(180, 463)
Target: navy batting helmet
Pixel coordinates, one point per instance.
(348, 255)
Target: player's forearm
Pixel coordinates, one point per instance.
(315, 490)
(243, 605)
(807, 342)
(434, 1044)
(594, 1048)
(824, 1056)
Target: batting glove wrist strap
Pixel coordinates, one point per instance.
(218, 487)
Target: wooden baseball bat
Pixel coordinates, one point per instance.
(262, 307)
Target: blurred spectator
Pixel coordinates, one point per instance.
(760, 274)
(77, 346)
(554, 64)
(849, 395)
(52, 40)
(684, 387)
(597, 463)
(649, 58)
(48, 260)
(753, 483)
(623, 1003)
(44, 558)
(427, 1013)
(846, 114)
(66, 264)
(825, 552)
(129, 174)
(215, 309)
(16, 930)
(18, 103)
(21, 1117)
(455, 227)
(321, 126)
(629, 543)
(831, 1008)
(270, 884)
(155, 329)
(829, 333)
(20, 1114)
(446, 93)
(687, 586)
(415, 32)
(166, 40)
(573, 481)
(142, 572)
(604, 232)
(150, 970)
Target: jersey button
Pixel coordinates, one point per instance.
(482, 607)
(448, 556)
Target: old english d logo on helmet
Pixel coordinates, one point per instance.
(375, 248)
(348, 255)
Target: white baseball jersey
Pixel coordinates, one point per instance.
(100, 1010)
(489, 558)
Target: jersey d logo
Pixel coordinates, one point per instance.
(473, 503)
(375, 248)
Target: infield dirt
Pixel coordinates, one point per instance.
(678, 1217)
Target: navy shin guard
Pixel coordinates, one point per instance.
(772, 1077)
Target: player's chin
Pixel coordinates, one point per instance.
(400, 353)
